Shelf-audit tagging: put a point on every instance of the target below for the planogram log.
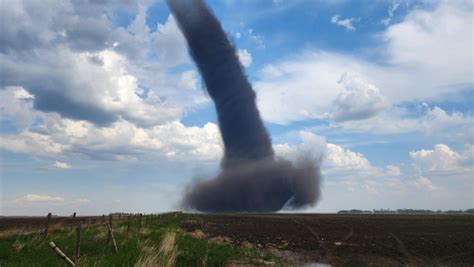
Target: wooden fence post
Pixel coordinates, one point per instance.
(77, 252)
(111, 234)
(128, 225)
(73, 219)
(139, 223)
(46, 227)
(111, 219)
(103, 218)
(61, 254)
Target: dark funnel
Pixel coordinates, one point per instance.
(251, 179)
(242, 129)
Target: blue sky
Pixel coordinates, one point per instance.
(103, 110)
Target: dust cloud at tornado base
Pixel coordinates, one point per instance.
(251, 178)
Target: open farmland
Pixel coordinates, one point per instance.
(348, 239)
(250, 239)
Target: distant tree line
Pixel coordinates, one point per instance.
(405, 211)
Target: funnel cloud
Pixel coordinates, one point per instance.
(251, 178)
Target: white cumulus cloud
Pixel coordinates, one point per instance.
(188, 80)
(429, 120)
(245, 57)
(443, 159)
(428, 53)
(61, 165)
(359, 100)
(393, 170)
(39, 198)
(425, 183)
(346, 23)
(391, 10)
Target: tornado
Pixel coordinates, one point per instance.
(251, 178)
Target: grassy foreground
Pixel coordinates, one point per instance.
(159, 243)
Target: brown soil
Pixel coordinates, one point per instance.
(375, 240)
(21, 225)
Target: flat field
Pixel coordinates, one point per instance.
(348, 239)
(179, 239)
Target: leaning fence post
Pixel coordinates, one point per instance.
(61, 254)
(46, 227)
(77, 252)
(111, 234)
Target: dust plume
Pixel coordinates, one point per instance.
(251, 179)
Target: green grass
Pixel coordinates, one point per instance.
(198, 252)
(145, 248)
